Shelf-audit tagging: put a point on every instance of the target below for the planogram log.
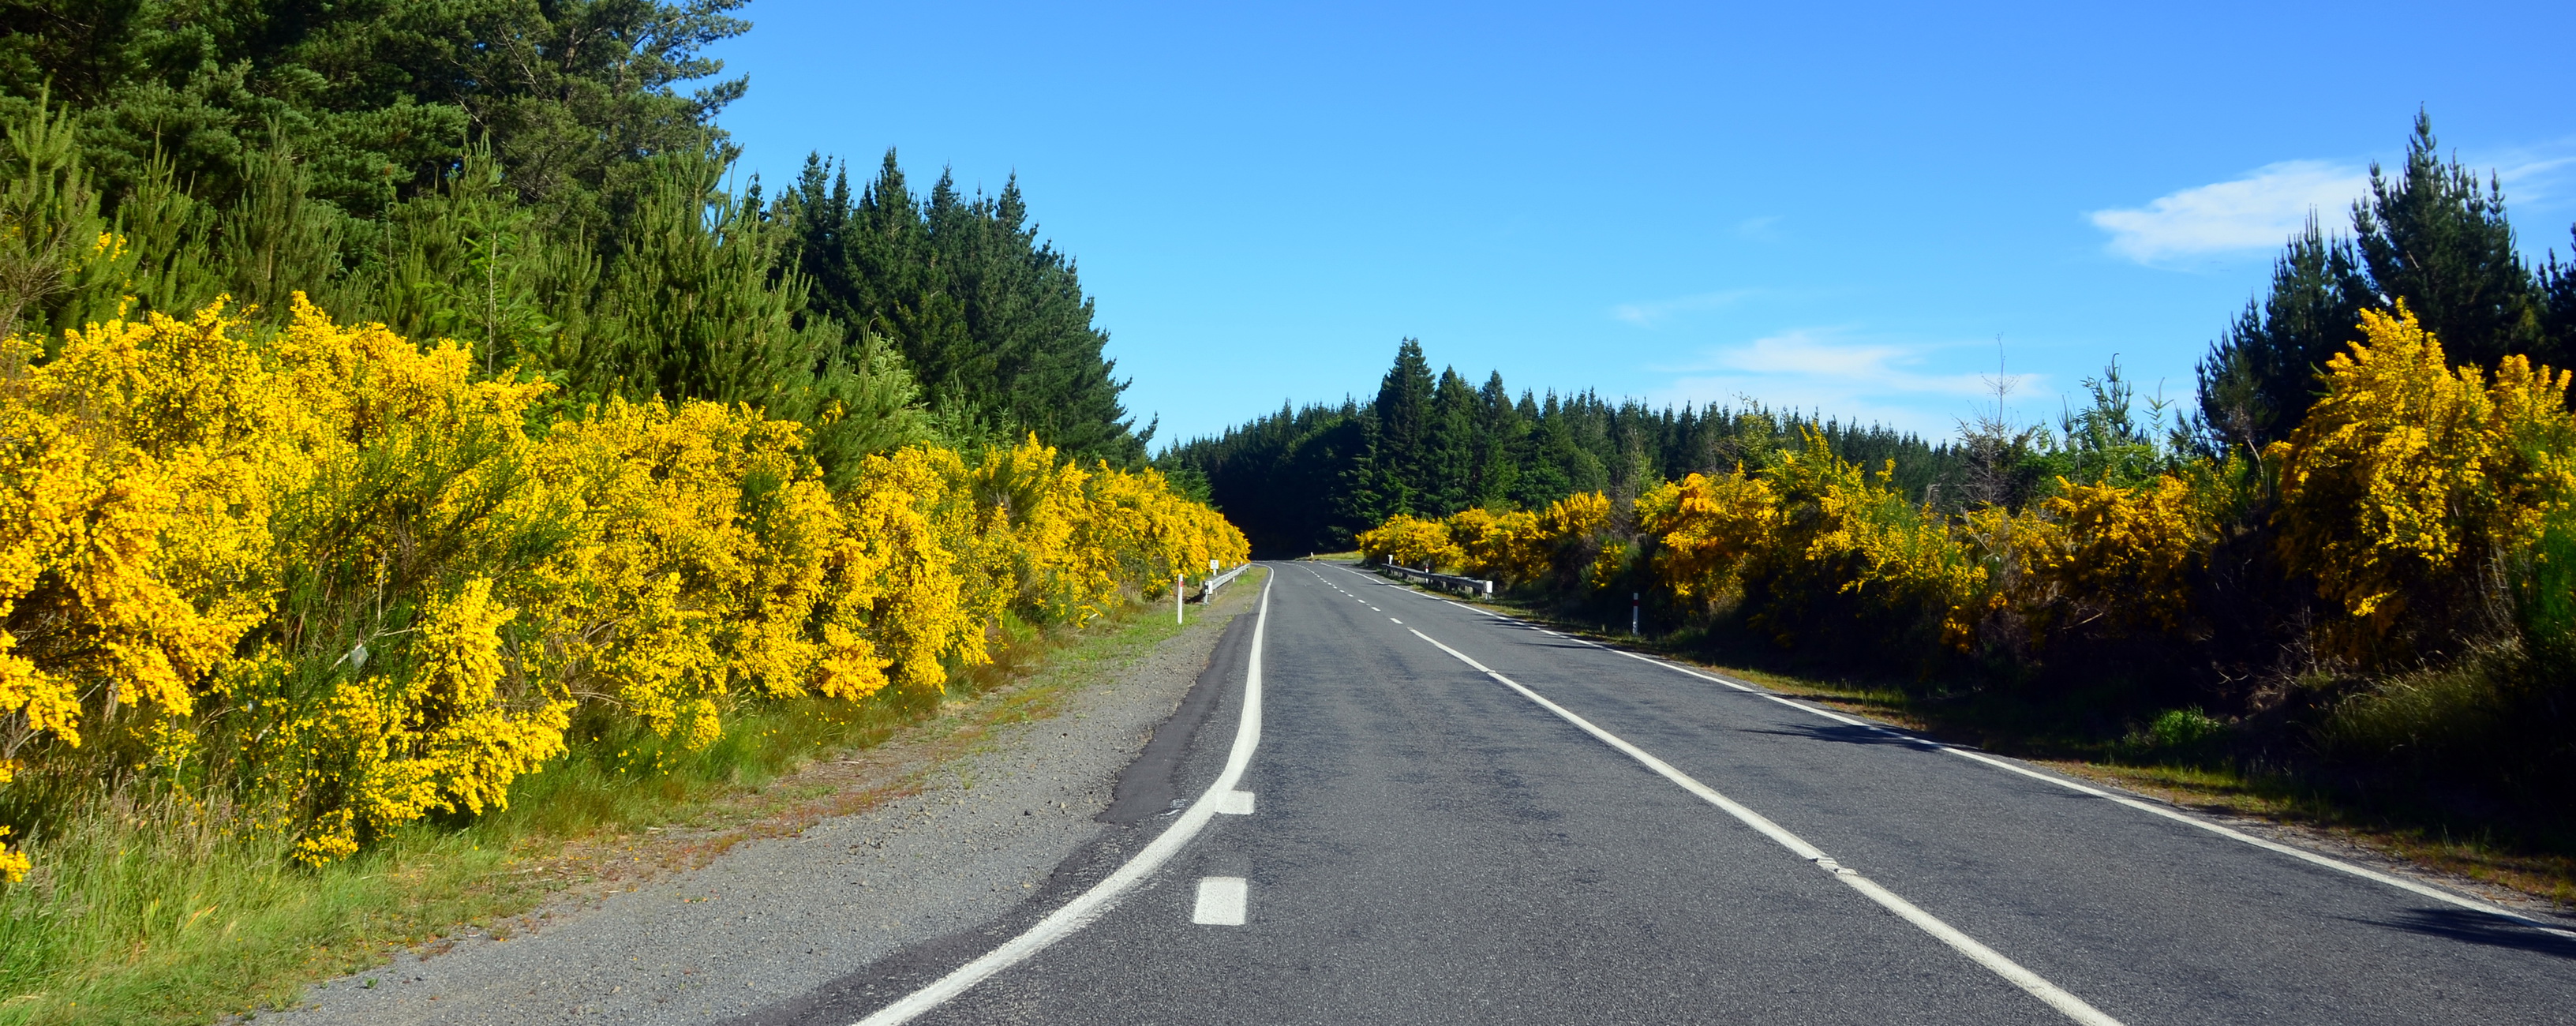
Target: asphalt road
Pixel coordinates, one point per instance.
(1429, 843)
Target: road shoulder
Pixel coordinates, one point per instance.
(952, 825)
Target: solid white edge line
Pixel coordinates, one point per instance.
(2176, 815)
(1103, 896)
(2327, 861)
(2012, 972)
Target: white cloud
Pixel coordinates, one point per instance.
(2256, 212)
(1653, 314)
(1811, 369)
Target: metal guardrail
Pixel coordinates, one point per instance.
(1475, 586)
(1208, 594)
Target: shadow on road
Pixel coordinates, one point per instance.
(2460, 924)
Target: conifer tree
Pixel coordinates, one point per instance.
(1494, 466)
(993, 318)
(2431, 237)
(1393, 478)
(1449, 451)
(2258, 379)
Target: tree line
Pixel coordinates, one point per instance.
(2430, 233)
(547, 182)
(1309, 479)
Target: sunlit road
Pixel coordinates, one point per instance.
(1573, 834)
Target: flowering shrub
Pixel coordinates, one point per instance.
(1410, 541)
(380, 588)
(1704, 529)
(1816, 537)
(2409, 478)
(1507, 546)
(2102, 554)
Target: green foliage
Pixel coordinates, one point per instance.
(382, 97)
(2429, 235)
(1310, 479)
(2258, 379)
(993, 319)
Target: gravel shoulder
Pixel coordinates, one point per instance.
(955, 839)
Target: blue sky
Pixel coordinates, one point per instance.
(1834, 207)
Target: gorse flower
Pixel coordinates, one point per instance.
(383, 587)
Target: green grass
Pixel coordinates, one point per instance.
(160, 911)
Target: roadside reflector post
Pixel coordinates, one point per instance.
(1180, 586)
(1633, 599)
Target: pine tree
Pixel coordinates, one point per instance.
(2258, 379)
(1395, 476)
(1449, 451)
(1494, 466)
(992, 317)
(2432, 238)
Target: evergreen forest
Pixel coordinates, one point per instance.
(548, 182)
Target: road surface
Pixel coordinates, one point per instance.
(1441, 815)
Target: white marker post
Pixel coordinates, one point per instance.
(1179, 582)
(1633, 598)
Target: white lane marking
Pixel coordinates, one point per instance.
(1221, 901)
(1080, 912)
(2175, 815)
(1234, 803)
(1395, 620)
(2338, 865)
(2066, 1004)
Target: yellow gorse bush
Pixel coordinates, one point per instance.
(381, 588)
(2409, 476)
(1410, 541)
(1814, 526)
(2102, 553)
(1705, 528)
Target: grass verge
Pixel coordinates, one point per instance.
(161, 910)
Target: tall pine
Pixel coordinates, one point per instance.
(2433, 238)
(2257, 381)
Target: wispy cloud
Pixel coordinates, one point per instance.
(2535, 175)
(1819, 369)
(1762, 228)
(2256, 212)
(1658, 312)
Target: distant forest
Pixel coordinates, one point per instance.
(1310, 479)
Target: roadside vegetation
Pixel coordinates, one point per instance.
(156, 919)
(2344, 583)
(414, 441)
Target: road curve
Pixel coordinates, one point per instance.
(1458, 817)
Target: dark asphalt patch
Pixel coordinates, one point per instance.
(1145, 790)
(1151, 784)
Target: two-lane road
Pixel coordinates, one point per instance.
(1457, 817)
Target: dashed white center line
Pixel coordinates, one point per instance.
(1221, 901)
(1394, 620)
